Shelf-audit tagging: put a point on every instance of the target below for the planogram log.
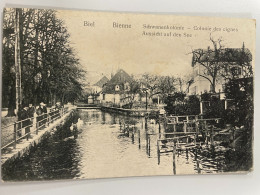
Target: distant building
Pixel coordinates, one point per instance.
(231, 62)
(117, 88)
(97, 87)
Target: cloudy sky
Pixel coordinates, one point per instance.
(103, 49)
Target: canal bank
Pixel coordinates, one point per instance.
(22, 144)
(122, 111)
(128, 112)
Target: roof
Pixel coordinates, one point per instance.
(120, 78)
(232, 55)
(102, 81)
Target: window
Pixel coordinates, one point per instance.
(117, 88)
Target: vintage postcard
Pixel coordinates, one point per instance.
(99, 95)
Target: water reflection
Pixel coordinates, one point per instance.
(52, 159)
(102, 149)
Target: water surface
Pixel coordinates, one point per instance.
(101, 150)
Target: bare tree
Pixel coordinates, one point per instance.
(211, 60)
(158, 85)
(149, 82)
(220, 62)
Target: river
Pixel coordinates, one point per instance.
(102, 151)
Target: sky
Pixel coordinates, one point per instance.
(103, 50)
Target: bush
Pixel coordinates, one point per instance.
(215, 109)
(177, 105)
(241, 92)
(193, 105)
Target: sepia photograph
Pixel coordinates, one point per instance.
(89, 94)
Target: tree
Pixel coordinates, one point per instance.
(50, 69)
(174, 103)
(8, 70)
(166, 86)
(220, 62)
(158, 85)
(149, 82)
(210, 59)
(242, 94)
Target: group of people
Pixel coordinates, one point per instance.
(25, 116)
(28, 115)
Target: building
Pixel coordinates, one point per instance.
(227, 63)
(97, 87)
(118, 89)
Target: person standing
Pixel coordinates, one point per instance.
(44, 109)
(39, 112)
(31, 111)
(25, 121)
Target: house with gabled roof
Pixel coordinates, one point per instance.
(99, 85)
(117, 88)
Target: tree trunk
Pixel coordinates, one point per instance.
(213, 86)
(11, 103)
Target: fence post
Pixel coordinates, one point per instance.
(37, 127)
(206, 131)
(212, 137)
(185, 127)
(201, 107)
(149, 151)
(133, 137)
(173, 159)
(197, 160)
(158, 152)
(139, 139)
(15, 132)
(159, 130)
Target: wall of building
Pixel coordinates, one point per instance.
(114, 98)
(201, 84)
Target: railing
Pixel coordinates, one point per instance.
(191, 123)
(22, 128)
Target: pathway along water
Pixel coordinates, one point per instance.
(101, 150)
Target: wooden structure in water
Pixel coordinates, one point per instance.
(182, 133)
(191, 132)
